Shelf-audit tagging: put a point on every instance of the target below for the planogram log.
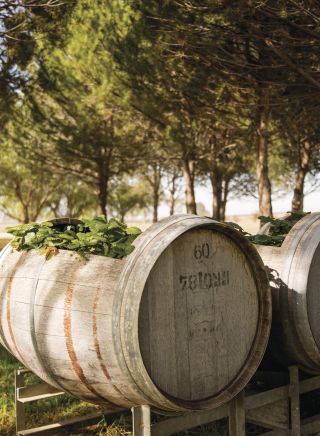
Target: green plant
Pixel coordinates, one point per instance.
(278, 230)
(97, 236)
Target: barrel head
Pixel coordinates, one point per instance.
(198, 315)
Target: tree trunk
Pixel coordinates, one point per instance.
(225, 192)
(220, 190)
(216, 185)
(26, 216)
(172, 204)
(154, 181)
(303, 168)
(189, 176)
(157, 174)
(173, 190)
(103, 180)
(102, 197)
(155, 204)
(262, 170)
(122, 215)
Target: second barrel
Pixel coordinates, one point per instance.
(294, 270)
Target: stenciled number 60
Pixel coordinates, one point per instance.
(201, 251)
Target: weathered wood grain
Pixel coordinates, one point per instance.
(193, 310)
(275, 415)
(237, 418)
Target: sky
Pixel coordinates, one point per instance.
(247, 205)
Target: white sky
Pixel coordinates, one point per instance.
(248, 205)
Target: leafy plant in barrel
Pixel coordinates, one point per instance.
(96, 236)
(278, 230)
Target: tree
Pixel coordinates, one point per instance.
(128, 197)
(153, 176)
(22, 22)
(260, 51)
(194, 88)
(224, 154)
(166, 90)
(72, 199)
(25, 188)
(173, 185)
(299, 131)
(74, 102)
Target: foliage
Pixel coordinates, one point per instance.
(282, 226)
(277, 232)
(116, 87)
(97, 236)
(22, 22)
(128, 197)
(93, 132)
(73, 199)
(220, 65)
(25, 185)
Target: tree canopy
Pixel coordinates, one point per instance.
(115, 92)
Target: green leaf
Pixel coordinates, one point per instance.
(47, 224)
(133, 231)
(278, 230)
(66, 236)
(96, 236)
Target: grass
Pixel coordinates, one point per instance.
(7, 366)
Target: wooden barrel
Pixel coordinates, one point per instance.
(180, 324)
(294, 270)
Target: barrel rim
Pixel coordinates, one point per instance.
(130, 338)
